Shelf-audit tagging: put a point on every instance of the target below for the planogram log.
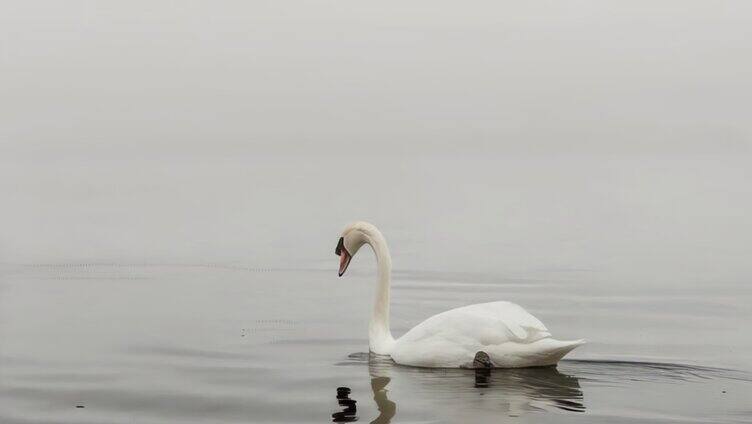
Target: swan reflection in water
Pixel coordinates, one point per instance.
(511, 391)
(386, 407)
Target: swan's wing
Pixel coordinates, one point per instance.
(485, 323)
(524, 327)
(454, 336)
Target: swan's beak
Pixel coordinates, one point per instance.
(344, 256)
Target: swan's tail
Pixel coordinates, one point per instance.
(543, 352)
(550, 351)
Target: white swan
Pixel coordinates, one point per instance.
(498, 334)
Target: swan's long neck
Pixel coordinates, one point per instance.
(380, 338)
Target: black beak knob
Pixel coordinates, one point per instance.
(340, 246)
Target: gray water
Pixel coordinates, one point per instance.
(205, 290)
(150, 343)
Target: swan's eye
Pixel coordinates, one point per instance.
(340, 246)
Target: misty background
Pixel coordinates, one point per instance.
(175, 175)
(610, 138)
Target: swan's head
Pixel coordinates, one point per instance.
(354, 236)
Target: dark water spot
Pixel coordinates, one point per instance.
(348, 414)
(482, 375)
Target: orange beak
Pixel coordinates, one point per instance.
(344, 261)
(344, 256)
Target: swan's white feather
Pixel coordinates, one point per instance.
(510, 335)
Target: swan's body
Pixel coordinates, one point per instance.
(507, 333)
(510, 336)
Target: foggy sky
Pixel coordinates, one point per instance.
(200, 131)
(319, 77)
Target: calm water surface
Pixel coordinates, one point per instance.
(230, 344)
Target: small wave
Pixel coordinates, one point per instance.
(597, 370)
(620, 371)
